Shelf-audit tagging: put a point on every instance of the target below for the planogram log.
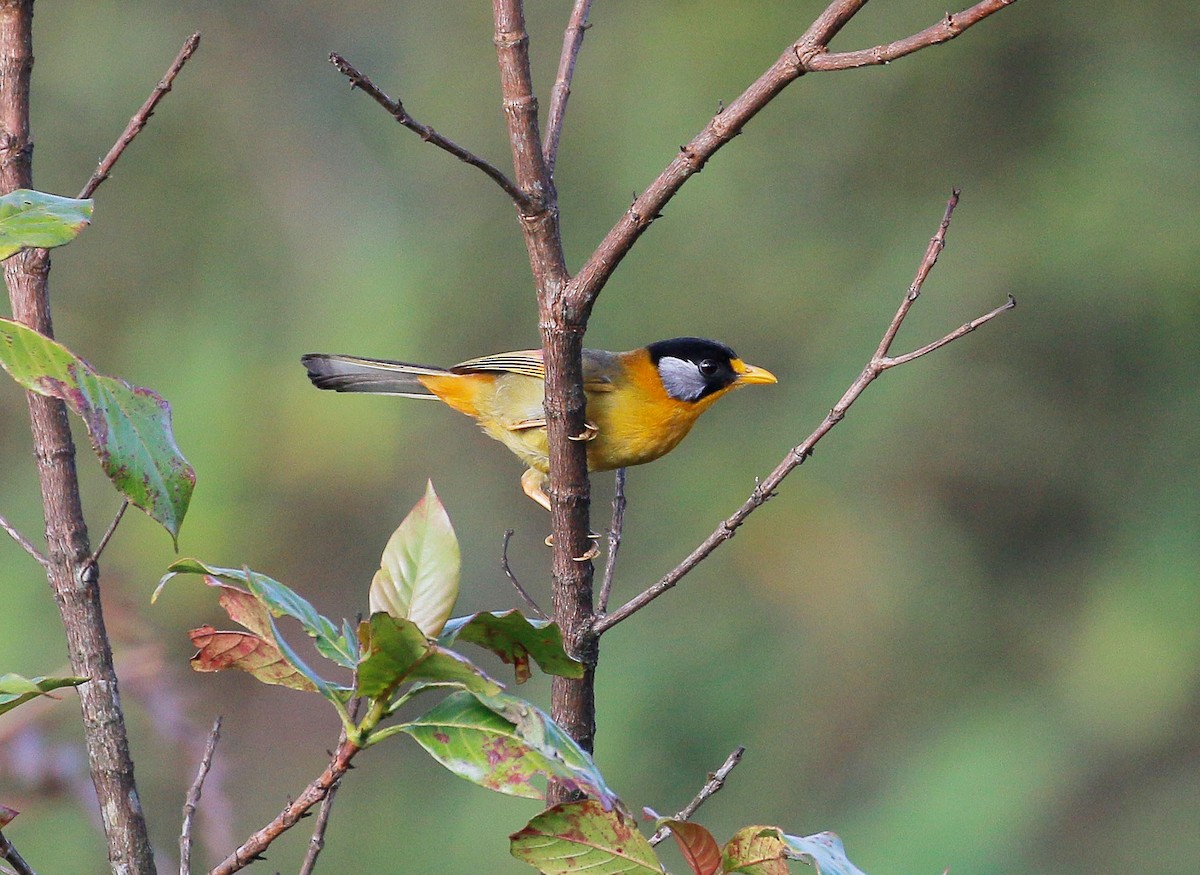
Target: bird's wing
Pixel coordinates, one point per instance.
(527, 362)
(597, 365)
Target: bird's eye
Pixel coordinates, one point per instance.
(708, 367)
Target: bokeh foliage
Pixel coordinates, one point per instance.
(966, 633)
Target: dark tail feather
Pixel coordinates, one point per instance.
(345, 373)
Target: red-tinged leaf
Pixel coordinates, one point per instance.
(6, 815)
(699, 848)
(247, 652)
(16, 689)
(279, 600)
(515, 638)
(36, 220)
(260, 651)
(584, 837)
(824, 851)
(418, 575)
(756, 850)
(129, 427)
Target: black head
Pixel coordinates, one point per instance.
(692, 368)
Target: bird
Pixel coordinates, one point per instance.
(640, 403)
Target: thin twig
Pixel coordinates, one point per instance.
(316, 844)
(614, 542)
(141, 117)
(879, 362)
(572, 42)
(397, 111)
(252, 849)
(8, 851)
(809, 54)
(25, 544)
(512, 578)
(112, 527)
(193, 799)
(715, 782)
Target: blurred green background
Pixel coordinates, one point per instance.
(965, 635)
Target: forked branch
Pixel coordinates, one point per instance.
(809, 54)
(880, 362)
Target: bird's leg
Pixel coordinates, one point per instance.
(533, 483)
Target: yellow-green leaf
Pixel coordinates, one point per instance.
(418, 575)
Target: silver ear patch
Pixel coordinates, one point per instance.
(681, 378)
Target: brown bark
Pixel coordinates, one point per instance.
(73, 576)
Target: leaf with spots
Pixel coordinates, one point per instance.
(478, 742)
(515, 639)
(756, 850)
(36, 220)
(418, 575)
(394, 651)
(129, 427)
(585, 837)
(16, 689)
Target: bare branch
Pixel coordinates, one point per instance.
(9, 852)
(572, 42)
(716, 780)
(397, 111)
(141, 117)
(762, 491)
(512, 578)
(112, 527)
(945, 30)
(74, 579)
(808, 54)
(193, 799)
(614, 542)
(316, 844)
(254, 846)
(25, 544)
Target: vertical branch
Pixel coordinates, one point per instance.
(572, 40)
(572, 701)
(73, 577)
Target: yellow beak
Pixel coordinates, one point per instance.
(749, 374)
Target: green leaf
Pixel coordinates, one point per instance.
(585, 837)
(35, 220)
(16, 690)
(418, 575)
(472, 737)
(515, 638)
(340, 647)
(129, 427)
(824, 851)
(756, 850)
(394, 651)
